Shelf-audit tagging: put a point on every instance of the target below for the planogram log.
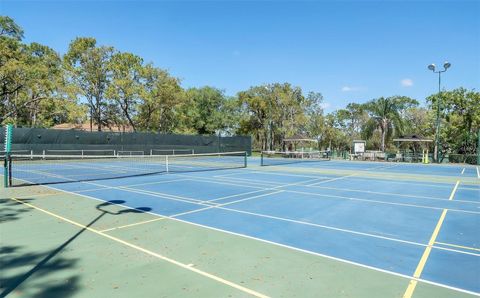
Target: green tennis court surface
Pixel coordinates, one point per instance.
(306, 229)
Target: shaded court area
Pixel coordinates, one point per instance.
(328, 229)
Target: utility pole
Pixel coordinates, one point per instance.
(436, 151)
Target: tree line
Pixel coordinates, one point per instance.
(112, 89)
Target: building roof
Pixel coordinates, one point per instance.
(299, 138)
(412, 138)
(86, 127)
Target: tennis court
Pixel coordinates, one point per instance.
(213, 227)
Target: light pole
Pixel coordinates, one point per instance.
(432, 67)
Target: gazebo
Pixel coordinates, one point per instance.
(292, 142)
(413, 139)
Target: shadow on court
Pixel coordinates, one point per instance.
(9, 210)
(14, 257)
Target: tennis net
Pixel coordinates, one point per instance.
(53, 169)
(171, 151)
(80, 152)
(130, 153)
(271, 158)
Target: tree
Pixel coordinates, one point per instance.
(334, 133)
(386, 115)
(354, 117)
(418, 121)
(274, 112)
(124, 88)
(207, 111)
(257, 108)
(460, 120)
(160, 101)
(32, 83)
(8, 28)
(315, 126)
(88, 68)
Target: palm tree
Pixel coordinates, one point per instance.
(386, 115)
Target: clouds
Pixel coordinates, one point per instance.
(352, 88)
(406, 82)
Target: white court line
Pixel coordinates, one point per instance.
(196, 201)
(255, 182)
(139, 184)
(330, 180)
(248, 180)
(209, 179)
(381, 167)
(352, 190)
(390, 193)
(360, 191)
(164, 195)
(452, 195)
(463, 171)
(380, 202)
(233, 196)
(339, 197)
(149, 252)
(270, 173)
(225, 204)
(338, 229)
(286, 246)
(478, 173)
(245, 181)
(221, 206)
(132, 225)
(265, 189)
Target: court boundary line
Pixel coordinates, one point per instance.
(233, 196)
(245, 180)
(426, 253)
(382, 202)
(133, 224)
(446, 185)
(366, 200)
(277, 185)
(332, 179)
(377, 175)
(288, 247)
(381, 167)
(222, 206)
(197, 202)
(225, 204)
(166, 196)
(407, 164)
(139, 184)
(459, 246)
(149, 252)
(334, 228)
(389, 193)
(262, 172)
(314, 194)
(348, 189)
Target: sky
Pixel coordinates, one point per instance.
(349, 51)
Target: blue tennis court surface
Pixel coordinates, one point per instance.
(384, 216)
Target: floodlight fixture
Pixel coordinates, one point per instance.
(431, 67)
(446, 65)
